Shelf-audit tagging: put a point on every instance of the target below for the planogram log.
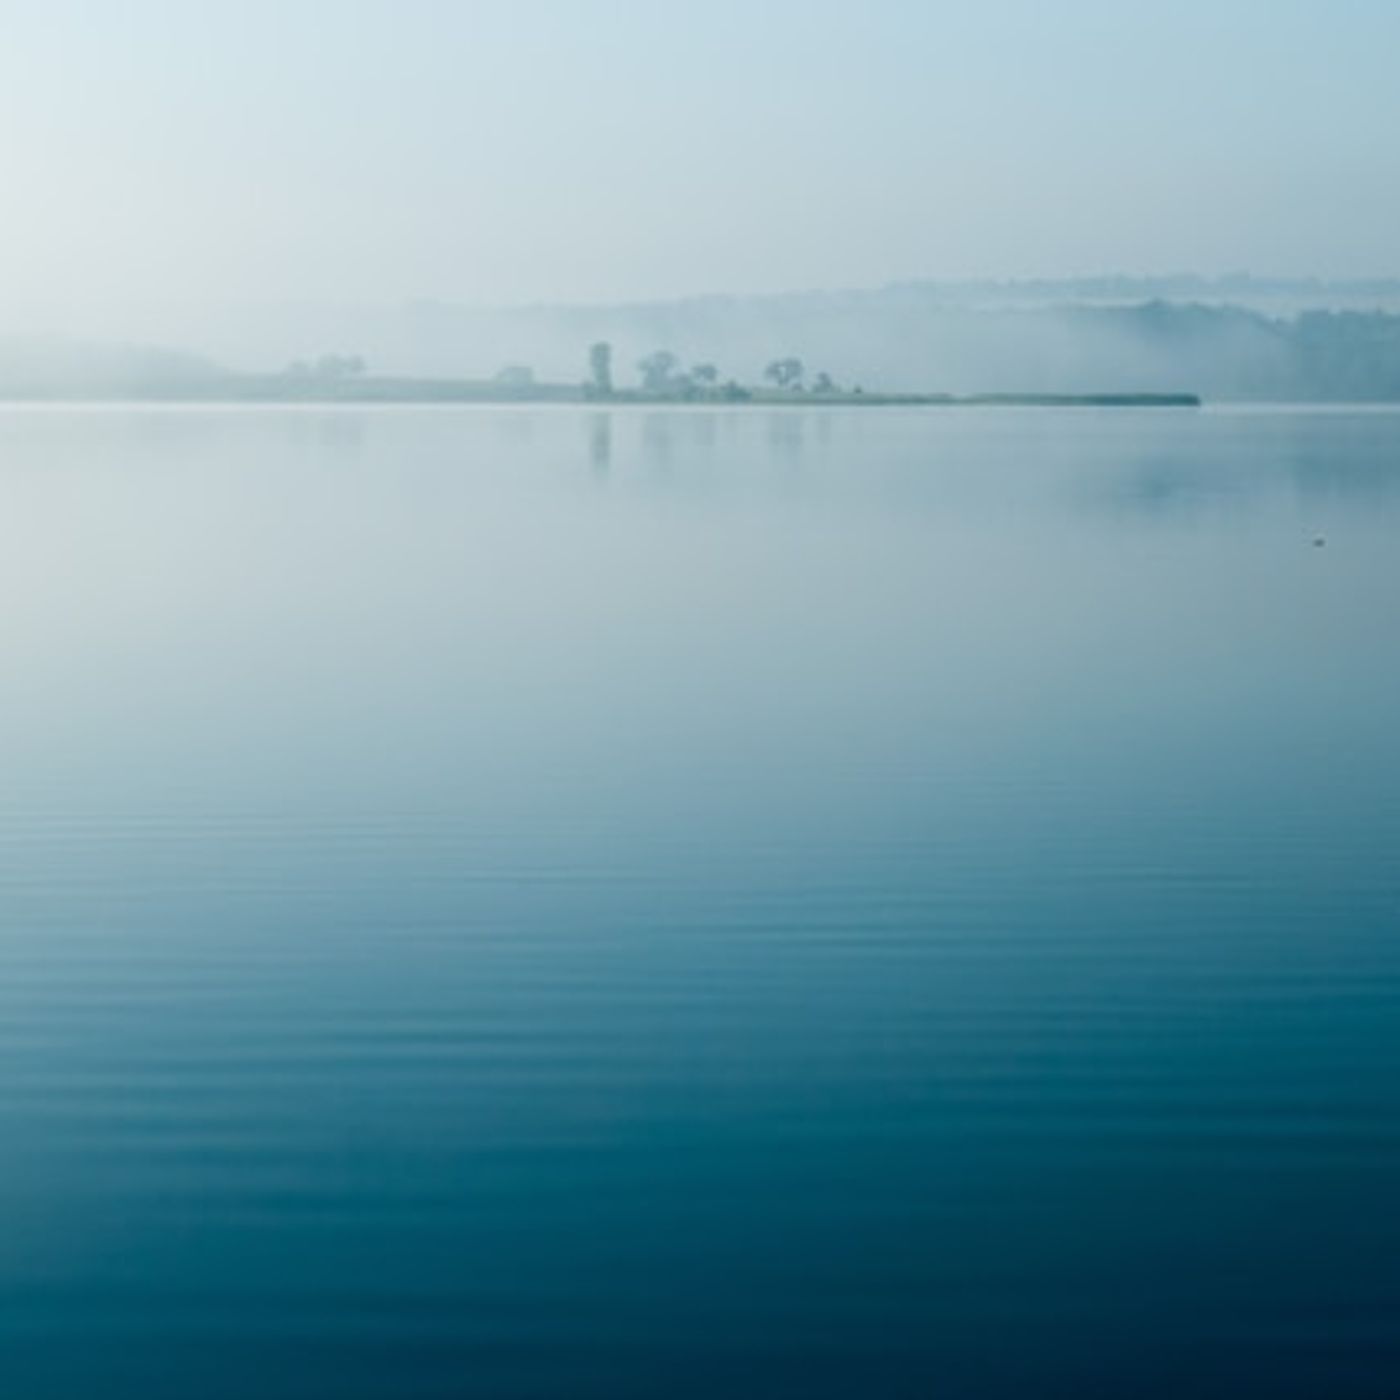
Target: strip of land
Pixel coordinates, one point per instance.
(382, 389)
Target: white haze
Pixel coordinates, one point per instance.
(259, 182)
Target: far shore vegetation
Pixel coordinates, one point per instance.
(661, 378)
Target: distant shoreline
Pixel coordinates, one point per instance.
(289, 389)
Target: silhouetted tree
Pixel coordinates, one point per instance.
(786, 373)
(657, 371)
(706, 375)
(823, 384)
(600, 382)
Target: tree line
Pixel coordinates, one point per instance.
(662, 375)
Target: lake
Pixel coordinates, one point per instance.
(560, 902)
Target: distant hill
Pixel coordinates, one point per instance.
(1278, 296)
(40, 368)
(915, 340)
(1062, 338)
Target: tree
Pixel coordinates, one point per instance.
(823, 384)
(657, 370)
(786, 373)
(600, 383)
(706, 375)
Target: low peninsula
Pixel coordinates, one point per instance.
(661, 380)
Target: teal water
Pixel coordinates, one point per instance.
(569, 903)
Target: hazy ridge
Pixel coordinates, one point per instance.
(1227, 339)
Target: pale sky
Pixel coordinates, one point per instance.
(581, 151)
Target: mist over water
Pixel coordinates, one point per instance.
(610, 902)
(699, 701)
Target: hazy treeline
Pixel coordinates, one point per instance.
(902, 346)
(900, 340)
(914, 340)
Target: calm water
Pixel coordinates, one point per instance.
(558, 903)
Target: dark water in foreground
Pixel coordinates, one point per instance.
(547, 903)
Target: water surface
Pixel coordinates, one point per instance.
(555, 902)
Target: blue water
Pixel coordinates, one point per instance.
(568, 903)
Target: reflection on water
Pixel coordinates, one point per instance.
(600, 442)
(872, 902)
